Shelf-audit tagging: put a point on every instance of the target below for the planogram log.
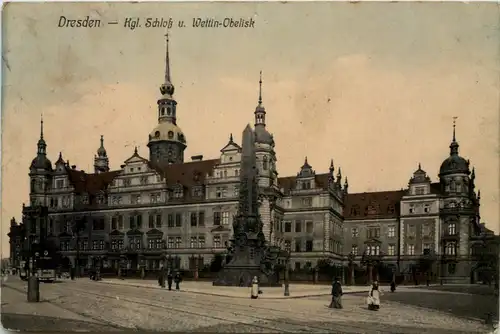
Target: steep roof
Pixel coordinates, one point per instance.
(289, 182)
(382, 204)
(186, 174)
(90, 183)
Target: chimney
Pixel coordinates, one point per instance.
(73, 167)
(197, 158)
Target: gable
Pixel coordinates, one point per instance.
(116, 233)
(154, 231)
(231, 147)
(220, 228)
(134, 232)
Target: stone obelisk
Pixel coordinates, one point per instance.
(248, 250)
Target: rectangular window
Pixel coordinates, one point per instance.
(309, 227)
(178, 242)
(194, 219)
(309, 245)
(158, 221)
(132, 222)
(391, 232)
(178, 220)
(411, 249)
(101, 244)
(201, 242)
(307, 202)
(217, 241)
(298, 226)
(151, 243)
(139, 221)
(151, 221)
(94, 244)
(354, 250)
(412, 230)
(120, 222)
(452, 229)
(171, 220)
(391, 250)
(193, 242)
(426, 248)
(225, 218)
(297, 245)
(114, 244)
(288, 245)
(170, 242)
(217, 218)
(201, 218)
(121, 245)
(354, 232)
(288, 227)
(114, 223)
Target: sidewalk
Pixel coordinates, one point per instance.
(206, 288)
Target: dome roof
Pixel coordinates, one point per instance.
(41, 162)
(262, 136)
(454, 164)
(167, 131)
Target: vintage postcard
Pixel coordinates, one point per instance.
(250, 167)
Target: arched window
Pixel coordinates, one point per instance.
(265, 163)
(170, 134)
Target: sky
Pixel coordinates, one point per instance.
(374, 86)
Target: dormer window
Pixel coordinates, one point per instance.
(170, 134)
(412, 209)
(157, 134)
(178, 191)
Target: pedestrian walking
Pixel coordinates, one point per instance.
(254, 291)
(373, 299)
(177, 280)
(393, 286)
(170, 279)
(336, 294)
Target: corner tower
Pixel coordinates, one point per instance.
(167, 141)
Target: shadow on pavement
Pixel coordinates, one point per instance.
(26, 322)
(483, 290)
(461, 305)
(351, 327)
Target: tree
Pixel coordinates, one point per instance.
(426, 262)
(217, 263)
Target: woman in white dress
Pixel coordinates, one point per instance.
(373, 299)
(255, 288)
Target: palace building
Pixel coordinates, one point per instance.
(165, 205)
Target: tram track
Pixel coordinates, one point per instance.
(247, 311)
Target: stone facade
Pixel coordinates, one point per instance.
(164, 205)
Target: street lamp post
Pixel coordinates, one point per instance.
(351, 257)
(287, 274)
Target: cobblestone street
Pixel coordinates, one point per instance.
(83, 303)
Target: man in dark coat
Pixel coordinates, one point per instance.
(161, 278)
(336, 294)
(177, 280)
(170, 279)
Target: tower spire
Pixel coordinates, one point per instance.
(41, 142)
(454, 144)
(167, 88)
(260, 89)
(167, 61)
(41, 126)
(260, 111)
